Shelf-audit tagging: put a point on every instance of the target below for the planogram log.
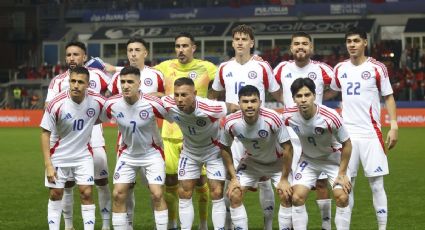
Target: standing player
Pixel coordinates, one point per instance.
(326, 147)
(362, 81)
(140, 149)
(76, 56)
(268, 152)
(234, 74)
(198, 119)
(67, 125)
(201, 72)
(322, 74)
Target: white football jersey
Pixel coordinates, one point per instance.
(287, 72)
(231, 76)
(99, 81)
(151, 79)
(261, 139)
(137, 125)
(71, 126)
(200, 128)
(320, 136)
(362, 87)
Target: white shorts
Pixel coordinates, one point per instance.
(191, 169)
(82, 174)
(370, 153)
(309, 170)
(126, 171)
(249, 172)
(100, 163)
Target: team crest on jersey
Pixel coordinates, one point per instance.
(91, 112)
(252, 75)
(181, 172)
(298, 176)
(263, 133)
(144, 114)
(319, 130)
(366, 75)
(116, 176)
(148, 82)
(201, 122)
(312, 75)
(192, 75)
(92, 84)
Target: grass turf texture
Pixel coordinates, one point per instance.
(23, 197)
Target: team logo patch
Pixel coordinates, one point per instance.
(366, 75)
(263, 133)
(181, 172)
(92, 84)
(312, 75)
(144, 114)
(201, 123)
(192, 75)
(148, 82)
(252, 75)
(298, 176)
(91, 112)
(319, 130)
(116, 176)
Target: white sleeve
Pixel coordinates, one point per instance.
(225, 138)
(48, 121)
(218, 80)
(271, 80)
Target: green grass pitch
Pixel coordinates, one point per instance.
(23, 197)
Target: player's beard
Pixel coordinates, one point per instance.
(72, 65)
(301, 57)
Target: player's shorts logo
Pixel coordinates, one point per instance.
(144, 114)
(148, 82)
(91, 112)
(192, 75)
(181, 172)
(312, 75)
(116, 176)
(201, 123)
(252, 75)
(366, 75)
(263, 133)
(298, 176)
(92, 84)
(319, 130)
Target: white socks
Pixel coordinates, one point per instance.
(342, 218)
(186, 213)
(161, 219)
(267, 202)
(218, 213)
(379, 200)
(88, 214)
(130, 203)
(299, 217)
(239, 217)
(68, 206)
(54, 210)
(119, 221)
(325, 212)
(104, 196)
(285, 218)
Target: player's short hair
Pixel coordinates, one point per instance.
(300, 34)
(356, 31)
(80, 70)
(301, 82)
(139, 40)
(249, 90)
(184, 81)
(130, 70)
(78, 44)
(243, 29)
(186, 35)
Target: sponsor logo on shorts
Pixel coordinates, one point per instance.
(379, 169)
(90, 179)
(104, 173)
(144, 114)
(181, 172)
(252, 75)
(312, 76)
(192, 75)
(263, 133)
(92, 84)
(217, 174)
(319, 130)
(366, 75)
(298, 176)
(116, 176)
(201, 122)
(91, 112)
(148, 82)
(158, 178)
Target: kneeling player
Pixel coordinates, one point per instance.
(326, 148)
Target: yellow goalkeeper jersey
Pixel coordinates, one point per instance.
(201, 72)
